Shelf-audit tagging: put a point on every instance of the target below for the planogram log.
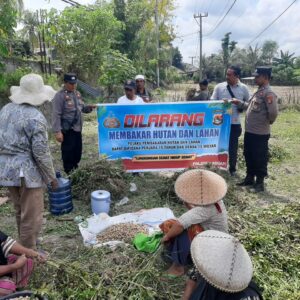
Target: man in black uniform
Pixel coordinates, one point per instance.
(261, 112)
(67, 121)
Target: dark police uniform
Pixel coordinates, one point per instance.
(67, 118)
(261, 113)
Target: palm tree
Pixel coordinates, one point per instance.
(285, 59)
(227, 49)
(253, 56)
(29, 31)
(18, 5)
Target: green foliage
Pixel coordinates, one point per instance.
(212, 68)
(269, 50)
(139, 36)
(102, 173)
(177, 59)
(21, 48)
(9, 79)
(227, 48)
(116, 68)
(271, 235)
(283, 70)
(8, 20)
(287, 59)
(53, 81)
(83, 38)
(278, 153)
(29, 32)
(173, 76)
(284, 75)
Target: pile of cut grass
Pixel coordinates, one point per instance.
(100, 175)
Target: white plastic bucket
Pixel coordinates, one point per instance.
(100, 202)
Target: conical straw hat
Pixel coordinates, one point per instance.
(200, 187)
(222, 260)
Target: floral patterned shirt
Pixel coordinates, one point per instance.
(24, 147)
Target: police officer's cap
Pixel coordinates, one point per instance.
(267, 71)
(130, 84)
(70, 78)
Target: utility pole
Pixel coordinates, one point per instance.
(157, 41)
(200, 16)
(192, 57)
(40, 43)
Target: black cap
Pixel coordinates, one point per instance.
(70, 78)
(130, 84)
(267, 71)
(204, 82)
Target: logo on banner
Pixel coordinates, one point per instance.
(111, 122)
(218, 117)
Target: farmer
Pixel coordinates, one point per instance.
(67, 121)
(16, 264)
(141, 90)
(25, 159)
(130, 96)
(222, 269)
(232, 88)
(202, 192)
(202, 94)
(261, 112)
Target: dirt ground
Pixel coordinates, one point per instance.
(61, 237)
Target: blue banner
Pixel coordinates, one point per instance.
(165, 135)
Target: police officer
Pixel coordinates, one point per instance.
(67, 121)
(261, 112)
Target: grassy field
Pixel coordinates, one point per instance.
(267, 223)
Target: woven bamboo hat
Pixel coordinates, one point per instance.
(222, 260)
(32, 91)
(200, 187)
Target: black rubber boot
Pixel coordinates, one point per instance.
(259, 185)
(249, 180)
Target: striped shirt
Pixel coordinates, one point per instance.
(6, 244)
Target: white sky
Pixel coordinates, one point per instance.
(246, 20)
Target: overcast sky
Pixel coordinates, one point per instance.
(246, 20)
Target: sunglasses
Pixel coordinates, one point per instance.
(139, 80)
(128, 89)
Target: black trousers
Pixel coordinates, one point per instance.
(71, 149)
(256, 152)
(235, 132)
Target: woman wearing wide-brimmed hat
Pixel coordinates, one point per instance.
(202, 192)
(222, 269)
(25, 159)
